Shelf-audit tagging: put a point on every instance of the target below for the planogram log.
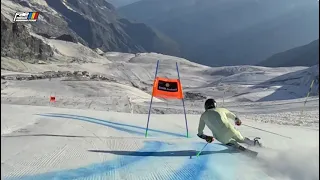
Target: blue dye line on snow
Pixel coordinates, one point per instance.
(96, 122)
(196, 165)
(210, 167)
(114, 123)
(194, 169)
(94, 169)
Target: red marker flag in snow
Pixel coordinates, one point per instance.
(52, 99)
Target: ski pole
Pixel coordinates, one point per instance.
(305, 101)
(198, 154)
(267, 131)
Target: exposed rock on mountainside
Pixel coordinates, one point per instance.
(92, 23)
(16, 42)
(66, 37)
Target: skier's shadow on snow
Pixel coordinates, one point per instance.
(164, 153)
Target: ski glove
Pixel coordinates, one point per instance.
(209, 139)
(238, 121)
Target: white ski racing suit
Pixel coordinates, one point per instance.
(222, 130)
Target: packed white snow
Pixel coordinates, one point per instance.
(96, 128)
(48, 142)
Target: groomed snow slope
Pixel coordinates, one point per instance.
(58, 143)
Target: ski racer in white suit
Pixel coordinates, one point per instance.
(222, 130)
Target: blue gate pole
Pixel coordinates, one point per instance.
(155, 76)
(184, 109)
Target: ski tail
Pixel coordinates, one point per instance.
(243, 150)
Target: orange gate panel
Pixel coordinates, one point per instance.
(167, 88)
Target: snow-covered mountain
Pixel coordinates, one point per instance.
(129, 77)
(94, 24)
(96, 127)
(307, 55)
(230, 32)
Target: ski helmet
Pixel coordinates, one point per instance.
(209, 104)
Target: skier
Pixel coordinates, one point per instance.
(217, 121)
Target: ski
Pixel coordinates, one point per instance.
(248, 152)
(244, 150)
